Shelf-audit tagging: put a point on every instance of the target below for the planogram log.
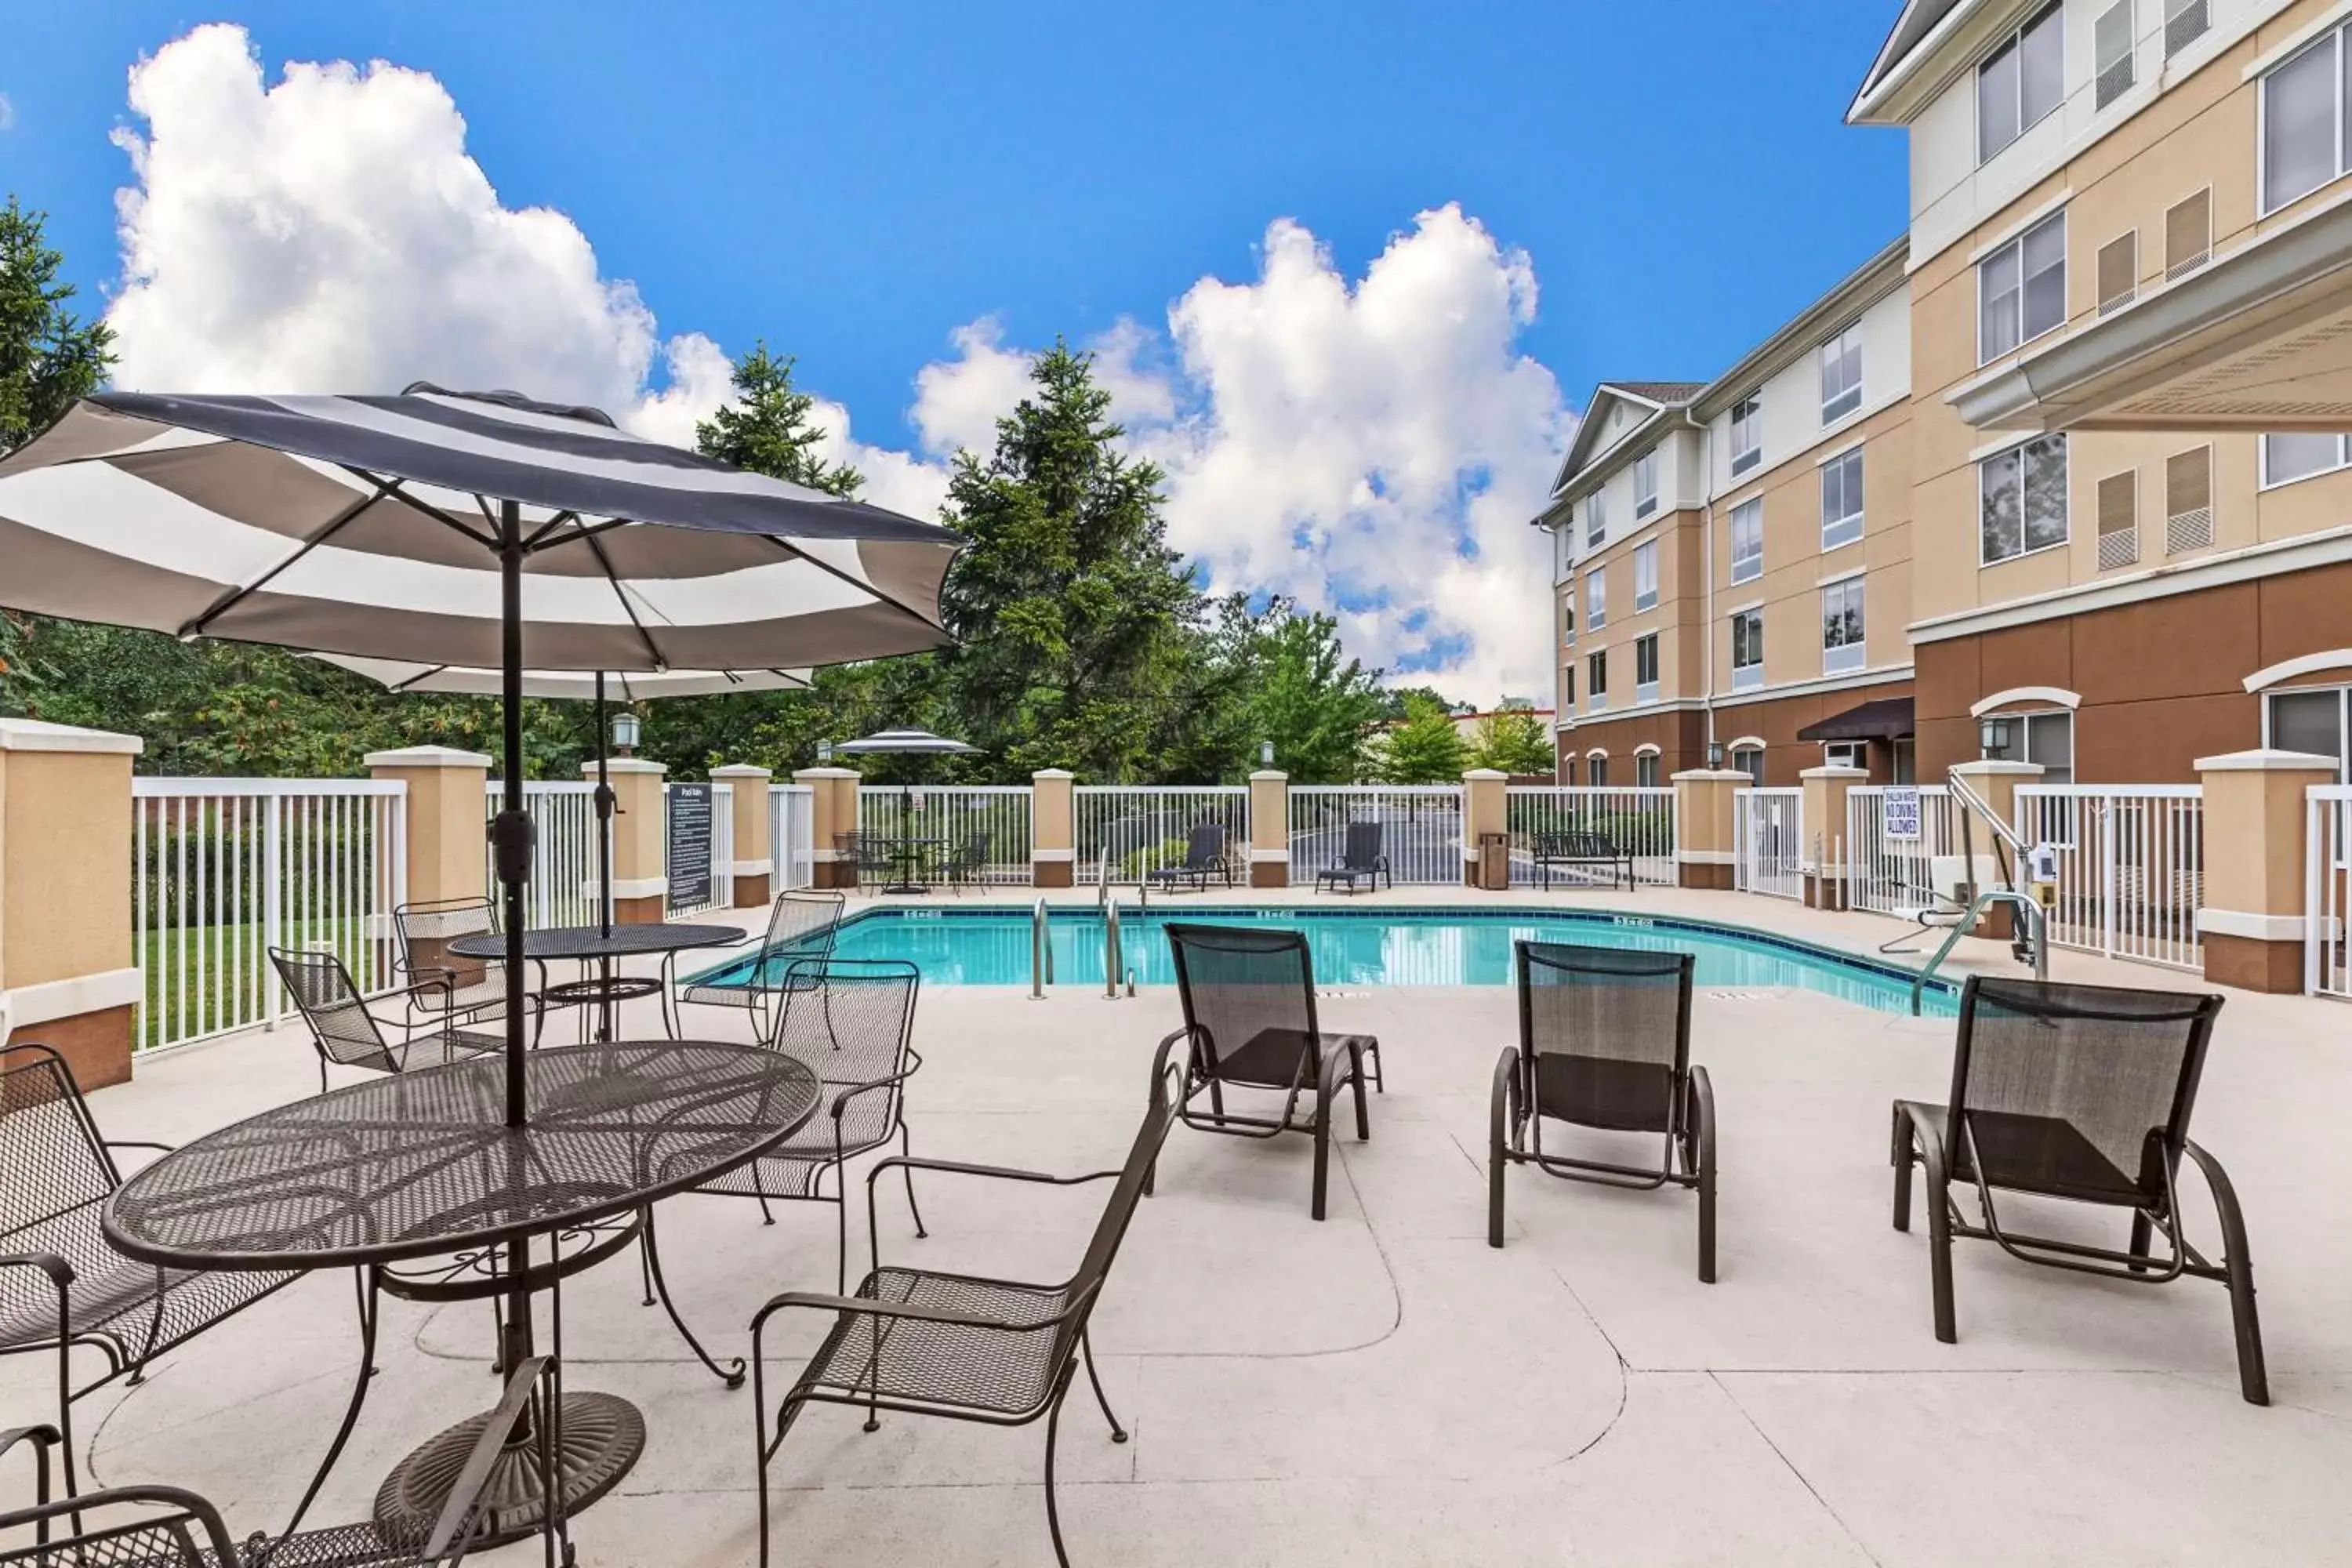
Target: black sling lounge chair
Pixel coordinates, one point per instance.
(2080, 1092)
(1604, 1042)
(1204, 857)
(803, 923)
(1359, 860)
(998, 1351)
(1249, 1016)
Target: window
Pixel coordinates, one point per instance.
(1645, 669)
(1841, 648)
(2302, 116)
(1596, 678)
(2118, 519)
(2112, 44)
(1645, 771)
(2286, 458)
(1568, 769)
(2188, 501)
(1747, 649)
(1567, 619)
(1645, 483)
(1841, 499)
(1596, 521)
(1645, 576)
(1907, 759)
(2021, 289)
(2189, 234)
(1598, 768)
(1748, 540)
(2118, 271)
(1563, 554)
(2184, 23)
(2022, 493)
(1845, 753)
(1568, 688)
(1596, 598)
(1841, 374)
(2047, 738)
(1749, 760)
(1747, 432)
(2020, 81)
(2308, 722)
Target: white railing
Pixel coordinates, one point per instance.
(1635, 822)
(721, 891)
(224, 869)
(792, 829)
(1143, 828)
(563, 871)
(1768, 841)
(2130, 867)
(1890, 864)
(1421, 830)
(2326, 891)
(979, 832)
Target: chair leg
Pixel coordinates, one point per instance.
(1498, 1118)
(2237, 1260)
(2141, 1233)
(1322, 1146)
(1702, 1093)
(1052, 1513)
(1899, 1156)
(1356, 1080)
(730, 1375)
(367, 1314)
(1087, 1348)
(907, 1143)
(1940, 1227)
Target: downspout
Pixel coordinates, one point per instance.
(1707, 551)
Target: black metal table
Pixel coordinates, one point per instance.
(600, 945)
(906, 857)
(422, 1164)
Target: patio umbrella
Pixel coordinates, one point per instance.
(904, 743)
(454, 528)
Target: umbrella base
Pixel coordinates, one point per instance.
(600, 1440)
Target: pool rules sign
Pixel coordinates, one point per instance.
(689, 844)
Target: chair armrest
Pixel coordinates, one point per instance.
(466, 1493)
(868, 1306)
(999, 1172)
(138, 1143)
(60, 1272)
(841, 1102)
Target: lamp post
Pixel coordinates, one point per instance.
(1265, 754)
(824, 753)
(1713, 755)
(1993, 738)
(627, 730)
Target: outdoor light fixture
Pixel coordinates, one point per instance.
(824, 753)
(1992, 738)
(1715, 754)
(1265, 754)
(627, 730)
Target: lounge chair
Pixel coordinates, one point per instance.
(801, 923)
(1204, 857)
(61, 1285)
(1359, 859)
(1578, 848)
(2080, 1092)
(1604, 1042)
(1249, 1016)
(998, 1351)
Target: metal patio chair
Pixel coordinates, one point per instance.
(2079, 1092)
(1359, 858)
(1204, 857)
(475, 989)
(1604, 1043)
(801, 924)
(852, 1021)
(1249, 1014)
(343, 1030)
(61, 1285)
(968, 867)
(863, 852)
(998, 1351)
(166, 1527)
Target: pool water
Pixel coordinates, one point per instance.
(1373, 947)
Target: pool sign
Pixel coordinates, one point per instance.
(1902, 807)
(689, 844)
(915, 801)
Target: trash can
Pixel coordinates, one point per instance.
(1495, 861)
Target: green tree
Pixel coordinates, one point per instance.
(49, 356)
(1425, 748)
(1512, 741)
(767, 430)
(1300, 691)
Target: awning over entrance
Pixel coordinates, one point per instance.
(2259, 339)
(1881, 721)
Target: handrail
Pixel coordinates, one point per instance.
(1041, 953)
(2037, 937)
(1112, 962)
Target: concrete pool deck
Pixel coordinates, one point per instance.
(1384, 1388)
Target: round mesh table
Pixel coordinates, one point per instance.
(600, 945)
(419, 1163)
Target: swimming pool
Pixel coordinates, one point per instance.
(1368, 947)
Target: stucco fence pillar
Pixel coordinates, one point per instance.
(1703, 825)
(1995, 783)
(1052, 828)
(1486, 808)
(640, 839)
(754, 866)
(446, 831)
(67, 979)
(1269, 808)
(2250, 914)
(1826, 856)
(833, 811)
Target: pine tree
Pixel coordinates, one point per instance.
(766, 429)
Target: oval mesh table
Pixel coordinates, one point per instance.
(420, 1163)
(601, 945)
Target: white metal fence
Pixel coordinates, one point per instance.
(1890, 858)
(563, 854)
(1635, 822)
(2326, 891)
(1421, 830)
(2130, 867)
(1146, 827)
(1768, 841)
(975, 831)
(224, 869)
(720, 892)
(792, 830)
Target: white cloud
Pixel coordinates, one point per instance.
(1373, 447)
(7, 113)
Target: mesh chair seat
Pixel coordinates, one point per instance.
(792, 1168)
(1007, 1370)
(112, 1294)
(2042, 1154)
(485, 998)
(1605, 1092)
(1271, 1057)
(749, 997)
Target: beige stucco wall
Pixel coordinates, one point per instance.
(65, 865)
(447, 808)
(753, 823)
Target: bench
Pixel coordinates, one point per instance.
(1578, 848)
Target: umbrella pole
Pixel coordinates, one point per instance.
(603, 862)
(512, 831)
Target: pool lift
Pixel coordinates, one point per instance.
(2031, 945)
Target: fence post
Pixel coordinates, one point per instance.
(1705, 835)
(1822, 859)
(1995, 783)
(1052, 828)
(833, 811)
(2251, 910)
(1486, 808)
(640, 839)
(446, 810)
(755, 848)
(1269, 815)
(67, 974)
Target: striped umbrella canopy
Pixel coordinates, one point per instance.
(570, 685)
(462, 528)
(907, 741)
